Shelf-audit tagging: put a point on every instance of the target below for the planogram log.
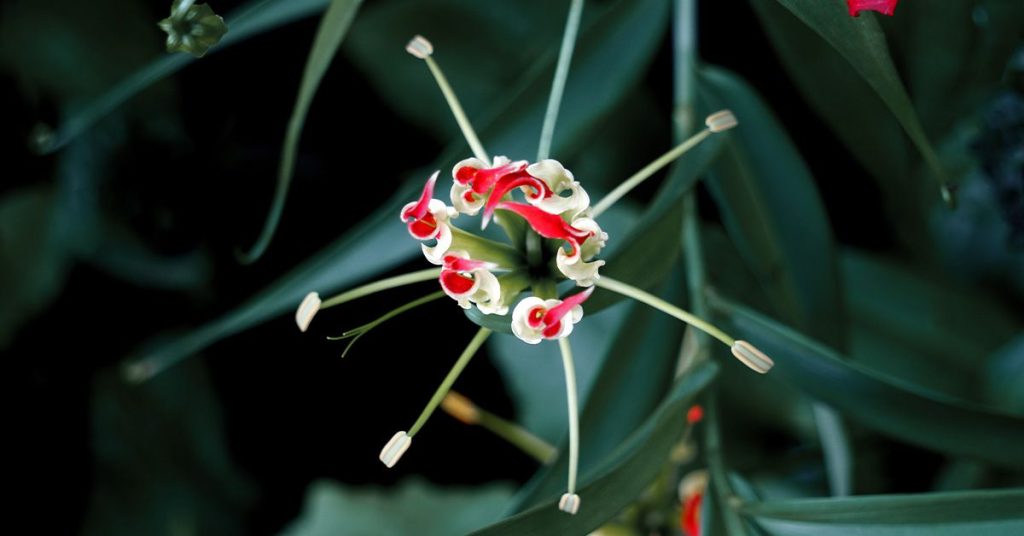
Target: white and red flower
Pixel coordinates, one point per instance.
(470, 281)
(427, 219)
(534, 319)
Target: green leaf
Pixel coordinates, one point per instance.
(255, 17)
(951, 82)
(924, 328)
(333, 27)
(861, 42)
(889, 405)
(844, 100)
(773, 212)
(162, 463)
(622, 476)
(369, 248)
(414, 506)
(968, 513)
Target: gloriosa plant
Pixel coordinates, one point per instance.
(661, 457)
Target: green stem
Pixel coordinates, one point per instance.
(574, 421)
(383, 284)
(644, 297)
(648, 170)
(453, 374)
(358, 332)
(572, 27)
(532, 445)
(457, 111)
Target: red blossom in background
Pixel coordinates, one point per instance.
(885, 7)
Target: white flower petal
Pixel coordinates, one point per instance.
(469, 208)
(435, 253)
(520, 327)
(582, 272)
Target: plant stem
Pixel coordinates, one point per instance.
(572, 27)
(453, 374)
(457, 111)
(383, 284)
(645, 297)
(574, 421)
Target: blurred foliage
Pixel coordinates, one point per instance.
(897, 335)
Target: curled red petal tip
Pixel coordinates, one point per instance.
(695, 414)
(546, 224)
(509, 182)
(423, 205)
(555, 314)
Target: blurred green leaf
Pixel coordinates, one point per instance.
(924, 328)
(162, 462)
(33, 256)
(861, 42)
(623, 475)
(892, 406)
(773, 212)
(845, 101)
(412, 507)
(969, 513)
(368, 249)
(948, 83)
(254, 18)
(333, 27)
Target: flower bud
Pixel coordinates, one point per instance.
(569, 503)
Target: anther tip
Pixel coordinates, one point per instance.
(753, 358)
(721, 121)
(420, 47)
(307, 310)
(393, 451)
(461, 408)
(569, 503)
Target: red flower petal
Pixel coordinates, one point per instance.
(456, 283)
(546, 225)
(886, 7)
(420, 209)
(555, 314)
(507, 184)
(459, 264)
(690, 519)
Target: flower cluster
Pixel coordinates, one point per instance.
(553, 237)
(554, 206)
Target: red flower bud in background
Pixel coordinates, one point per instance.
(886, 7)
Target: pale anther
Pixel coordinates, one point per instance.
(721, 121)
(752, 357)
(307, 310)
(569, 503)
(420, 47)
(393, 451)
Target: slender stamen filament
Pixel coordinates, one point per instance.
(665, 307)
(645, 173)
(574, 423)
(469, 413)
(383, 284)
(570, 502)
(572, 26)
(453, 374)
(355, 334)
(421, 48)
